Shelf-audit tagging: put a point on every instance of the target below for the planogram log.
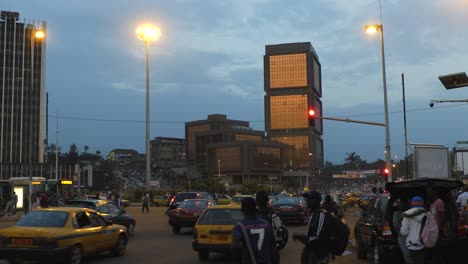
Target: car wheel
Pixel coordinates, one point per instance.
(75, 255)
(176, 229)
(203, 255)
(131, 229)
(119, 249)
(361, 251)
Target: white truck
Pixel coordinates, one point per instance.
(431, 161)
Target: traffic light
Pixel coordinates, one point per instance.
(385, 174)
(311, 117)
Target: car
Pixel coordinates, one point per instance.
(291, 209)
(162, 200)
(109, 211)
(350, 199)
(213, 230)
(187, 213)
(237, 199)
(375, 234)
(65, 234)
(364, 200)
(224, 199)
(180, 197)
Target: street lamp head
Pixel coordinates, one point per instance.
(148, 33)
(373, 28)
(39, 34)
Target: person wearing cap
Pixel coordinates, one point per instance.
(318, 231)
(411, 228)
(254, 235)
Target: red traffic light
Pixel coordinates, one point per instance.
(386, 171)
(311, 112)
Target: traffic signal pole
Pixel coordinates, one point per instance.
(347, 120)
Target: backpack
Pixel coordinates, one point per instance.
(430, 231)
(339, 235)
(280, 232)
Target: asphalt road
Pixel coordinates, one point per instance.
(154, 242)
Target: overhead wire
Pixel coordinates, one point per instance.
(252, 121)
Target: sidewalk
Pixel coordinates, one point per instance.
(9, 217)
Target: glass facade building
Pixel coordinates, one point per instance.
(22, 65)
(292, 86)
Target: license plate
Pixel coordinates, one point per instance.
(222, 237)
(21, 241)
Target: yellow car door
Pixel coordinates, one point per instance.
(105, 235)
(88, 234)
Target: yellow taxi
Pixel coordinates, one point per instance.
(161, 200)
(213, 230)
(62, 233)
(350, 199)
(224, 199)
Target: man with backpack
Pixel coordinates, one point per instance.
(280, 232)
(411, 227)
(326, 234)
(437, 212)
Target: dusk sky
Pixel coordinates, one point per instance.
(209, 60)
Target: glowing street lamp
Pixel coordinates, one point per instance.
(373, 29)
(148, 33)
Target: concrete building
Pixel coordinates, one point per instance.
(118, 154)
(22, 82)
(293, 85)
(167, 152)
(229, 148)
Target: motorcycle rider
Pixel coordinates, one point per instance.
(317, 239)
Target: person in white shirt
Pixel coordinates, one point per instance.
(411, 228)
(463, 198)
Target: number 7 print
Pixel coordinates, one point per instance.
(261, 233)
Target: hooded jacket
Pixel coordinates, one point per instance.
(411, 227)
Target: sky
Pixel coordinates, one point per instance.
(209, 60)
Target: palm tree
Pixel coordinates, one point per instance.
(86, 148)
(353, 160)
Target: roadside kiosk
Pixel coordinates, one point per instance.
(21, 187)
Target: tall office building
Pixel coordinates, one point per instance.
(22, 56)
(293, 85)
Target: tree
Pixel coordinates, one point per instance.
(72, 155)
(86, 148)
(353, 160)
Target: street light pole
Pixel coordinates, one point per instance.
(372, 29)
(148, 33)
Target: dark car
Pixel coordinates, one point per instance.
(187, 213)
(180, 197)
(291, 209)
(375, 234)
(108, 210)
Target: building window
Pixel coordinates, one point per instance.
(287, 71)
(238, 137)
(191, 139)
(288, 112)
(229, 159)
(296, 156)
(266, 157)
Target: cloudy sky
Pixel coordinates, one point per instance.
(209, 60)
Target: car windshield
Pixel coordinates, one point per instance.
(221, 217)
(81, 204)
(182, 196)
(237, 199)
(193, 204)
(43, 219)
(291, 201)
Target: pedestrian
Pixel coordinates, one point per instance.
(145, 204)
(318, 231)
(329, 205)
(253, 235)
(117, 200)
(374, 190)
(462, 199)
(280, 232)
(381, 190)
(437, 209)
(402, 206)
(411, 228)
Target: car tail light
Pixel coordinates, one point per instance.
(172, 200)
(386, 230)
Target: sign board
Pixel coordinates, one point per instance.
(431, 161)
(154, 183)
(66, 182)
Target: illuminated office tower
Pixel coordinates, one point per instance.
(22, 86)
(293, 86)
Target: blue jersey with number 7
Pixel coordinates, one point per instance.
(261, 238)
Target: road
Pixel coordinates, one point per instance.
(154, 242)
